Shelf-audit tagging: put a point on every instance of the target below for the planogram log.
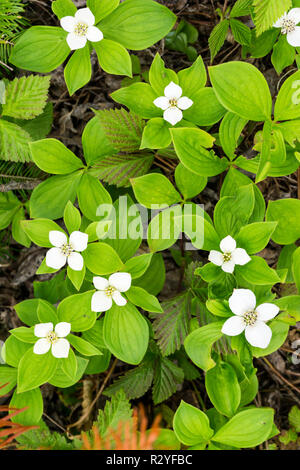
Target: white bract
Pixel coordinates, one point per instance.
(109, 290)
(81, 28)
(172, 103)
(66, 251)
(230, 256)
(54, 339)
(249, 318)
(288, 25)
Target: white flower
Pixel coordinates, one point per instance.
(288, 24)
(109, 290)
(52, 339)
(230, 256)
(81, 28)
(172, 103)
(250, 318)
(65, 251)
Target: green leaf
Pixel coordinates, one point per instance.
(287, 105)
(198, 344)
(241, 32)
(229, 133)
(164, 229)
(24, 334)
(255, 237)
(94, 142)
(138, 98)
(206, 110)
(113, 57)
(171, 326)
(35, 370)
(14, 142)
(154, 188)
(154, 277)
(135, 382)
(13, 351)
(78, 70)
(223, 388)
(50, 197)
(27, 311)
(294, 418)
(241, 8)
(156, 134)
(91, 196)
(267, 12)
(160, 76)
(46, 312)
(102, 8)
(40, 49)
(296, 267)
(193, 78)
(83, 347)
(287, 213)
(61, 161)
(189, 146)
(138, 265)
(279, 334)
(25, 97)
(258, 272)
(126, 333)
(248, 428)
(123, 129)
(17, 232)
(39, 127)
(76, 277)
(119, 169)
(242, 89)
(8, 375)
(118, 409)
(191, 425)
(141, 298)
(283, 54)
(100, 258)
(167, 377)
(63, 8)
(33, 401)
(72, 218)
(76, 310)
(38, 231)
(188, 183)
(217, 38)
(137, 24)
(62, 380)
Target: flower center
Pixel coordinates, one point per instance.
(109, 291)
(81, 29)
(226, 257)
(173, 102)
(51, 337)
(250, 317)
(66, 249)
(288, 26)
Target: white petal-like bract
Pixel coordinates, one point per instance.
(173, 91)
(86, 16)
(267, 311)
(62, 329)
(60, 349)
(173, 115)
(258, 335)
(42, 329)
(76, 42)
(184, 103)
(119, 299)
(216, 257)
(228, 244)
(75, 261)
(294, 14)
(233, 326)
(101, 302)
(79, 240)
(240, 256)
(68, 23)
(57, 238)
(120, 281)
(55, 259)
(42, 346)
(242, 301)
(228, 266)
(94, 34)
(100, 282)
(162, 102)
(293, 38)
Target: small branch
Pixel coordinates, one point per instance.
(16, 185)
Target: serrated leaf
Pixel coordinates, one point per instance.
(14, 142)
(122, 128)
(135, 382)
(171, 326)
(241, 8)
(294, 418)
(26, 97)
(267, 12)
(118, 409)
(43, 438)
(241, 32)
(217, 38)
(118, 169)
(166, 378)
